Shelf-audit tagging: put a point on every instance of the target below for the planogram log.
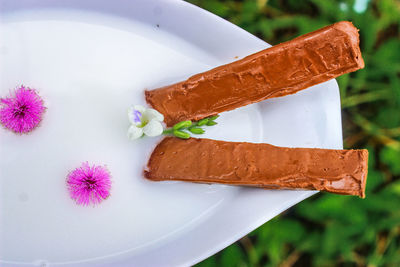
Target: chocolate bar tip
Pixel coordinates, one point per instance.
(354, 36)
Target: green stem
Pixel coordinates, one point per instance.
(168, 131)
(355, 100)
(194, 124)
(179, 129)
(371, 129)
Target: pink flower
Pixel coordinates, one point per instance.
(89, 184)
(22, 111)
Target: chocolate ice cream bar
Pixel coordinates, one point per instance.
(281, 70)
(259, 165)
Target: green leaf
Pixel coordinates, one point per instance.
(395, 188)
(391, 157)
(388, 117)
(311, 242)
(213, 118)
(388, 53)
(217, 8)
(202, 122)
(232, 256)
(181, 134)
(182, 125)
(196, 130)
(211, 123)
(343, 82)
(210, 262)
(374, 179)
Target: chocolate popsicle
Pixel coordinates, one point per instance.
(281, 70)
(259, 165)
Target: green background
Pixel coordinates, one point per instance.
(327, 229)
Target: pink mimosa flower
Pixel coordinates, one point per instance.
(22, 111)
(89, 184)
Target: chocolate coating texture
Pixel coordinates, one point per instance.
(260, 165)
(281, 70)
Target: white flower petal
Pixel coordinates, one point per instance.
(139, 108)
(152, 114)
(153, 128)
(134, 132)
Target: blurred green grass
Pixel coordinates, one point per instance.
(331, 230)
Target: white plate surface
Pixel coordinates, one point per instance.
(91, 60)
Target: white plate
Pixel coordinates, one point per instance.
(91, 60)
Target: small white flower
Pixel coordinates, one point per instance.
(146, 121)
(153, 128)
(134, 132)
